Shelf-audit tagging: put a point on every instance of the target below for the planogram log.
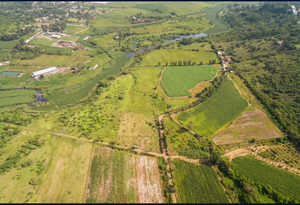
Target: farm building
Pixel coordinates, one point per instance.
(55, 36)
(45, 72)
(219, 53)
(279, 42)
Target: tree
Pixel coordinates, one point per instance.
(87, 22)
(42, 76)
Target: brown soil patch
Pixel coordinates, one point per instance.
(149, 189)
(137, 129)
(199, 87)
(251, 125)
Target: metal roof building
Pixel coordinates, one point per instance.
(40, 72)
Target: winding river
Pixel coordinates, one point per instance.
(128, 55)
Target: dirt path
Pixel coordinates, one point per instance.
(173, 117)
(81, 31)
(88, 175)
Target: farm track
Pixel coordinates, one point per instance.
(81, 31)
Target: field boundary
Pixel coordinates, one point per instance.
(88, 175)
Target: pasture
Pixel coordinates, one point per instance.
(222, 107)
(120, 177)
(67, 171)
(252, 124)
(197, 184)
(176, 80)
(74, 29)
(280, 180)
(6, 101)
(168, 56)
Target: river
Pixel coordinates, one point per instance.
(128, 55)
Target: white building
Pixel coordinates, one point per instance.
(294, 10)
(44, 72)
(55, 36)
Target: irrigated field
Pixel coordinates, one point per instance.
(67, 174)
(251, 125)
(224, 105)
(280, 180)
(168, 56)
(177, 80)
(120, 177)
(198, 184)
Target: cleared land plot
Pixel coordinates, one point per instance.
(251, 125)
(198, 184)
(280, 180)
(137, 129)
(66, 178)
(199, 87)
(176, 80)
(120, 177)
(168, 56)
(224, 105)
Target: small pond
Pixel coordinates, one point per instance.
(10, 73)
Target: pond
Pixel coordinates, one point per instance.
(10, 73)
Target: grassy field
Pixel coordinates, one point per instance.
(67, 172)
(198, 184)
(42, 41)
(15, 187)
(251, 125)
(167, 56)
(6, 101)
(177, 80)
(74, 29)
(13, 93)
(280, 180)
(224, 105)
(212, 16)
(8, 44)
(138, 129)
(120, 177)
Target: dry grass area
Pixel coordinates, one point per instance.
(252, 124)
(68, 169)
(138, 129)
(199, 87)
(121, 177)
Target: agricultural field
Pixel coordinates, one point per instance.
(222, 107)
(280, 180)
(197, 184)
(120, 177)
(176, 80)
(66, 172)
(13, 97)
(75, 29)
(251, 125)
(164, 56)
(138, 129)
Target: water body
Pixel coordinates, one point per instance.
(128, 55)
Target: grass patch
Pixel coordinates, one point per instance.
(194, 154)
(280, 180)
(13, 93)
(74, 29)
(225, 105)
(177, 80)
(16, 100)
(212, 15)
(198, 184)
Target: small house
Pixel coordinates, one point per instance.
(279, 42)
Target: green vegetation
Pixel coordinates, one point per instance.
(280, 180)
(13, 93)
(197, 184)
(177, 80)
(194, 154)
(212, 15)
(16, 100)
(225, 105)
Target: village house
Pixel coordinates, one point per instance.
(279, 42)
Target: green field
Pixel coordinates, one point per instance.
(168, 56)
(177, 80)
(198, 184)
(120, 177)
(6, 101)
(12, 93)
(74, 29)
(8, 44)
(280, 180)
(212, 16)
(224, 105)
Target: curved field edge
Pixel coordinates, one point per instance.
(224, 106)
(197, 184)
(280, 180)
(177, 80)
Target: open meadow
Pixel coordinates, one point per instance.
(197, 184)
(120, 177)
(176, 80)
(222, 107)
(280, 180)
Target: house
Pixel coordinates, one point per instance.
(219, 53)
(228, 59)
(55, 36)
(279, 42)
(45, 72)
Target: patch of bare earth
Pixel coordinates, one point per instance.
(252, 124)
(148, 181)
(199, 87)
